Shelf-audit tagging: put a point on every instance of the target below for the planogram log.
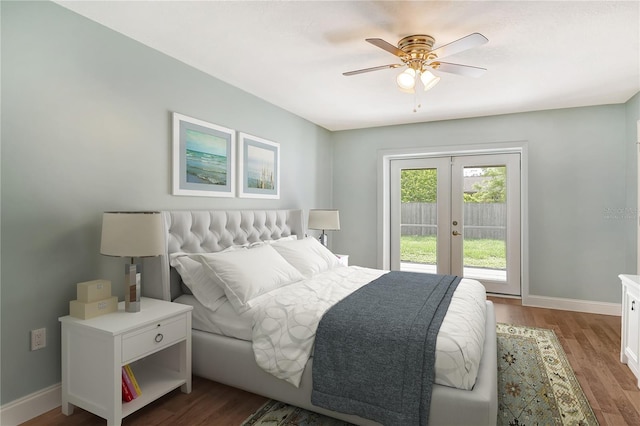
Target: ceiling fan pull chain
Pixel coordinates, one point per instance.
(416, 95)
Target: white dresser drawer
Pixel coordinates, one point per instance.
(152, 338)
(630, 336)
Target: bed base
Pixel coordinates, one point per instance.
(231, 362)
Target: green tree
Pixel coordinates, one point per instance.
(418, 186)
(492, 189)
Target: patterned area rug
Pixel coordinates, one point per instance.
(536, 386)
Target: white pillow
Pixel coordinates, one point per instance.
(308, 256)
(283, 239)
(247, 274)
(278, 241)
(195, 277)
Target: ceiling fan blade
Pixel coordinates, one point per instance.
(382, 67)
(384, 45)
(460, 45)
(465, 70)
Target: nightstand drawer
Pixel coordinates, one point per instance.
(152, 338)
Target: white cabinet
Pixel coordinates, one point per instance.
(156, 342)
(630, 347)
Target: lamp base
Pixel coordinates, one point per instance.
(131, 289)
(323, 239)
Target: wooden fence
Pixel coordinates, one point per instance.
(480, 220)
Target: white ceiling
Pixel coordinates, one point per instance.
(540, 55)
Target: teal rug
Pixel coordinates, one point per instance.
(536, 386)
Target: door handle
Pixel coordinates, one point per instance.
(456, 233)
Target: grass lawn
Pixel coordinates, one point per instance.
(480, 253)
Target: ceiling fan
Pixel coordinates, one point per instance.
(415, 52)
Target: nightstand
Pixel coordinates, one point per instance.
(156, 342)
(343, 259)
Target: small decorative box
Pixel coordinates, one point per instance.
(92, 291)
(84, 310)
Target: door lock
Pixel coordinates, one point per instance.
(455, 222)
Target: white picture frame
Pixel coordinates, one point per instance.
(204, 158)
(258, 167)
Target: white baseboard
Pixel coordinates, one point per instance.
(30, 406)
(575, 305)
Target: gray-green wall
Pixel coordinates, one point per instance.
(581, 174)
(86, 128)
(632, 149)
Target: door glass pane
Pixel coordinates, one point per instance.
(485, 223)
(418, 220)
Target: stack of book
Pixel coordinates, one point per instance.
(130, 388)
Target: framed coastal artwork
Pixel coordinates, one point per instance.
(203, 158)
(258, 167)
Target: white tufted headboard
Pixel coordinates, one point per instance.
(202, 231)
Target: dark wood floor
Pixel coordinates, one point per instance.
(592, 344)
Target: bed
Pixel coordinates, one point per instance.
(230, 360)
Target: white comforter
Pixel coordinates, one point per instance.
(285, 323)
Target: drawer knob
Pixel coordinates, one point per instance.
(159, 338)
(633, 305)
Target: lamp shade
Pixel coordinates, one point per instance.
(429, 80)
(132, 234)
(327, 220)
(407, 79)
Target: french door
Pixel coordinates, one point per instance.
(458, 215)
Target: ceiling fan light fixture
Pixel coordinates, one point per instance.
(407, 79)
(417, 54)
(428, 80)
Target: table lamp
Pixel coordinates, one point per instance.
(132, 234)
(326, 220)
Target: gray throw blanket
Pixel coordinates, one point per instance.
(374, 351)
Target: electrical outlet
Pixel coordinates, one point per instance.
(38, 339)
